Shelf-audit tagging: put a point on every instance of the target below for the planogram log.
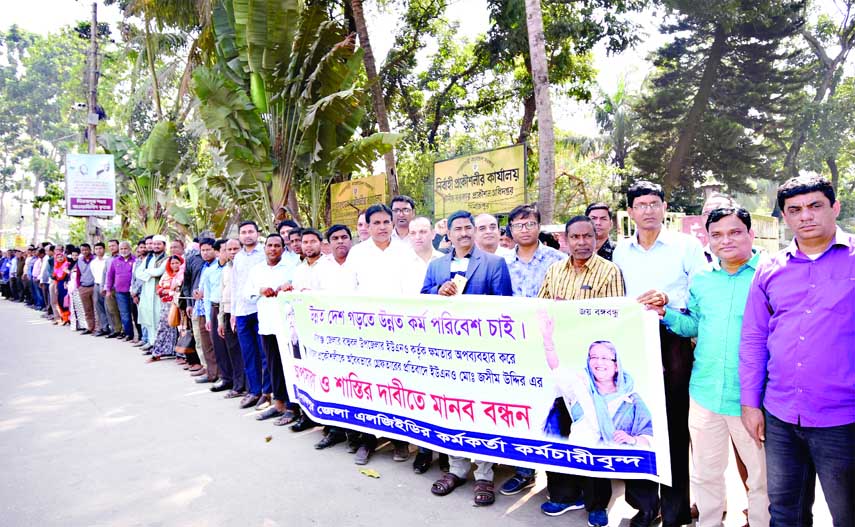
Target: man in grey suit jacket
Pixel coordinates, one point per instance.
(470, 271)
(485, 273)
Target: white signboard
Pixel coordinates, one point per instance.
(90, 185)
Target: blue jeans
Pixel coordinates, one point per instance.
(123, 300)
(38, 301)
(795, 456)
(254, 361)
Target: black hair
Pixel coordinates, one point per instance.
(111, 241)
(247, 222)
(179, 240)
(374, 209)
(141, 242)
(600, 205)
(82, 245)
(295, 232)
(548, 240)
(69, 247)
(100, 244)
(506, 232)
(338, 227)
(458, 215)
(805, 184)
(524, 211)
(404, 199)
(207, 241)
(643, 188)
(312, 232)
(275, 235)
(218, 244)
(149, 237)
(287, 223)
(721, 212)
(578, 219)
(40, 251)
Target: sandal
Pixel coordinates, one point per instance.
(194, 368)
(285, 419)
(484, 492)
(447, 483)
(153, 358)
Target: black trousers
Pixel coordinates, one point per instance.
(277, 372)
(568, 488)
(677, 358)
(235, 359)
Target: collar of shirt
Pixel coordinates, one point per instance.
(841, 237)
(665, 237)
(752, 263)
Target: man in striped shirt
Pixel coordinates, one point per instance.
(582, 276)
(585, 274)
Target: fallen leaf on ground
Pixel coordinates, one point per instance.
(268, 439)
(370, 472)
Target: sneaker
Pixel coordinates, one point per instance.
(362, 456)
(554, 508)
(516, 484)
(598, 518)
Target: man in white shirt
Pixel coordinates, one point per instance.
(267, 279)
(382, 266)
(362, 228)
(421, 240)
(244, 318)
(657, 266)
(403, 210)
(99, 267)
(487, 235)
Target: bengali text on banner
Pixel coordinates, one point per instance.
(573, 387)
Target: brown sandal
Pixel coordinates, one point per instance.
(446, 484)
(484, 492)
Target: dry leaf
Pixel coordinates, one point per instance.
(268, 439)
(370, 472)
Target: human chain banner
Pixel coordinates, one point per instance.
(573, 387)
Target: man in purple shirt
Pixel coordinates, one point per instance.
(119, 277)
(797, 359)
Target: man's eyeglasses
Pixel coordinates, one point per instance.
(529, 225)
(402, 211)
(647, 206)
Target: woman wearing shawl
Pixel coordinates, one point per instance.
(78, 320)
(60, 275)
(601, 400)
(168, 289)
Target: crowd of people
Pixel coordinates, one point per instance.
(758, 349)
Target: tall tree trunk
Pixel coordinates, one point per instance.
(529, 107)
(376, 92)
(149, 51)
(693, 119)
(546, 128)
(37, 213)
(835, 173)
(2, 211)
(47, 223)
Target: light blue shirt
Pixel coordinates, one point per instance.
(243, 262)
(527, 277)
(668, 265)
(714, 315)
(209, 283)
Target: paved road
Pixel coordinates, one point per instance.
(92, 436)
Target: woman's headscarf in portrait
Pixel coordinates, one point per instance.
(169, 270)
(624, 387)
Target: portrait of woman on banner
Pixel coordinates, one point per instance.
(598, 405)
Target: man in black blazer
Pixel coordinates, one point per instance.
(470, 271)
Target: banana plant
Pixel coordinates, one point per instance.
(299, 71)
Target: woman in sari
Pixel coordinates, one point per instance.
(78, 318)
(168, 289)
(61, 276)
(603, 406)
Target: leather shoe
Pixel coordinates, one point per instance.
(249, 400)
(422, 462)
(331, 439)
(221, 386)
(233, 394)
(199, 372)
(303, 424)
(114, 335)
(102, 333)
(643, 519)
(263, 402)
(85, 332)
(203, 380)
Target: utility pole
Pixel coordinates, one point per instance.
(93, 232)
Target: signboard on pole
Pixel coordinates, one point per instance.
(349, 198)
(492, 181)
(90, 185)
